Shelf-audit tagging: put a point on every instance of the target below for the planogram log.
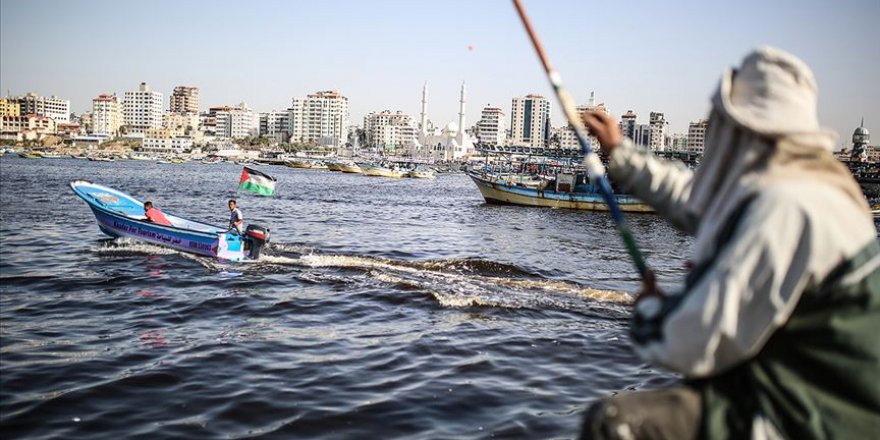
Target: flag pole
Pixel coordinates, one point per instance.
(591, 160)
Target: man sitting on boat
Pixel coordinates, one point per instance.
(154, 215)
(236, 218)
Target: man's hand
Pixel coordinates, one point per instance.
(605, 129)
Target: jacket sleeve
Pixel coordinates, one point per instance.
(665, 185)
(748, 291)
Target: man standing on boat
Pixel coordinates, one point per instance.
(236, 218)
(775, 327)
(154, 215)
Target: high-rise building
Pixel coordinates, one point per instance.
(530, 121)
(235, 122)
(567, 138)
(658, 125)
(51, 107)
(389, 131)
(9, 107)
(321, 117)
(628, 124)
(697, 136)
(492, 127)
(142, 109)
(106, 115)
(184, 100)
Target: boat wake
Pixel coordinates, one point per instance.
(454, 283)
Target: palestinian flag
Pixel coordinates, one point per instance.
(256, 182)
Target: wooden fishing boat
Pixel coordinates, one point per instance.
(565, 190)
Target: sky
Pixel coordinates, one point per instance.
(638, 55)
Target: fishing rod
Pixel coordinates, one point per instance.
(591, 160)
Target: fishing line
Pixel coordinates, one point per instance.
(591, 160)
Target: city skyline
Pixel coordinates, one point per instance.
(640, 57)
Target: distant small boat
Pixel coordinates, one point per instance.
(380, 171)
(421, 173)
(101, 159)
(121, 215)
(30, 155)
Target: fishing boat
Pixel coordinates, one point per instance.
(30, 155)
(121, 215)
(570, 190)
(350, 167)
(380, 171)
(421, 173)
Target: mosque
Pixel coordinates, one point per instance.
(450, 143)
(861, 147)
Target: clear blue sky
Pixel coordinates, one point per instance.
(640, 55)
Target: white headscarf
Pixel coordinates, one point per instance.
(763, 128)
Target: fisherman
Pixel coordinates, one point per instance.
(775, 327)
(236, 218)
(154, 215)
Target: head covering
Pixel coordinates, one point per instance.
(764, 128)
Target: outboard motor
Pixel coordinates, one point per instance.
(257, 236)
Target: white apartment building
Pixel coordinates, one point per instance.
(106, 117)
(184, 100)
(659, 126)
(235, 122)
(697, 136)
(492, 127)
(275, 124)
(566, 136)
(530, 121)
(677, 142)
(390, 131)
(51, 107)
(166, 145)
(142, 109)
(321, 117)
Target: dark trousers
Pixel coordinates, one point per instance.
(672, 413)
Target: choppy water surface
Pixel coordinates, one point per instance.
(382, 309)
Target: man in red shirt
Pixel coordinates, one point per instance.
(154, 215)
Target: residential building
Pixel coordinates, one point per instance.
(26, 127)
(641, 134)
(658, 126)
(492, 127)
(106, 115)
(628, 124)
(9, 107)
(697, 136)
(184, 100)
(181, 124)
(275, 124)
(52, 107)
(530, 121)
(567, 139)
(321, 117)
(142, 109)
(235, 122)
(677, 142)
(391, 132)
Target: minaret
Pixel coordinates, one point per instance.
(424, 118)
(461, 110)
(592, 102)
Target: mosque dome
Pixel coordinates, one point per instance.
(451, 128)
(861, 135)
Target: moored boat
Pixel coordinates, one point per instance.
(380, 171)
(121, 215)
(30, 155)
(421, 173)
(566, 190)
